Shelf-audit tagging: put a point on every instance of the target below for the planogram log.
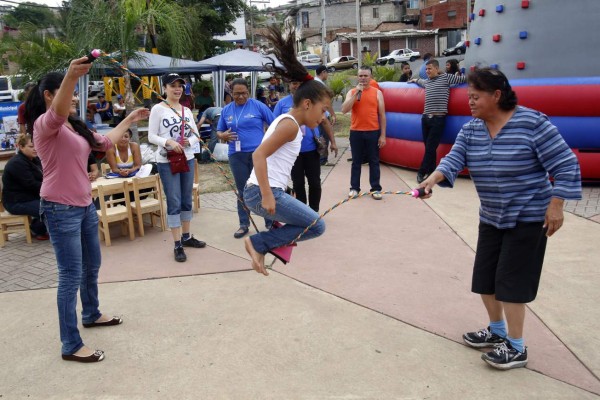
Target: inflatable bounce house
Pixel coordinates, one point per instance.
(549, 52)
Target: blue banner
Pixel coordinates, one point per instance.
(8, 109)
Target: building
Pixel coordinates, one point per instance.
(427, 26)
(448, 17)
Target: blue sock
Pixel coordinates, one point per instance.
(185, 236)
(177, 243)
(517, 344)
(498, 327)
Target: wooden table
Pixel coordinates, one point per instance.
(106, 181)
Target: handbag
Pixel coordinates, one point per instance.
(178, 161)
(321, 144)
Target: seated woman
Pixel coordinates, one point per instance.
(21, 184)
(125, 158)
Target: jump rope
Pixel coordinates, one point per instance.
(282, 253)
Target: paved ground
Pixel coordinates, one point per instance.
(372, 310)
(34, 267)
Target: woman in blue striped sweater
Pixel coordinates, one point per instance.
(510, 151)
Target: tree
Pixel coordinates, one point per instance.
(210, 18)
(30, 13)
(121, 26)
(38, 53)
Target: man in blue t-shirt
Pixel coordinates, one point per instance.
(104, 108)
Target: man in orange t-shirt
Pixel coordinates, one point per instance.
(367, 130)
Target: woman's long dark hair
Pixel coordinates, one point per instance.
(35, 105)
(283, 48)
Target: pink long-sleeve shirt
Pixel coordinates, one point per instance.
(64, 156)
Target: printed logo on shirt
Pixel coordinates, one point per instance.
(173, 124)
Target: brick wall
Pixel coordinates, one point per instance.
(441, 18)
(426, 45)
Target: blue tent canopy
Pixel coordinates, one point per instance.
(148, 64)
(239, 60)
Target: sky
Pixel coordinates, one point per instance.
(57, 3)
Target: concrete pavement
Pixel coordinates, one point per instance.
(374, 309)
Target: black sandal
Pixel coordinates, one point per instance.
(240, 233)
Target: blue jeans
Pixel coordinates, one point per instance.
(241, 167)
(433, 128)
(74, 236)
(361, 143)
(31, 208)
(178, 189)
(294, 214)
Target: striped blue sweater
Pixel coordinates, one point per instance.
(511, 172)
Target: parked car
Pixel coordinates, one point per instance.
(460, 48)
(397, 56)
(310, 58)
(261, 76)
(344, 62)
(303, 53)
(95, 87)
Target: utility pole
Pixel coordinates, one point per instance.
(252, 20)
(324, 49)
(468, 17)
(358, 44)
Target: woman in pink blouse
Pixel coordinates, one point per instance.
(63, 143)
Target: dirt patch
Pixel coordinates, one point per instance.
(212, 179)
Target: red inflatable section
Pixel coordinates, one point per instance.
(557, 100)
(412, 155)
(589, 162)
(412, 152)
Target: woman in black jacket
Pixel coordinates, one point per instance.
(21, 184)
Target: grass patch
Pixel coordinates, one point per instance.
(342, 125)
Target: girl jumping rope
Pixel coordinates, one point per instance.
(264, 193)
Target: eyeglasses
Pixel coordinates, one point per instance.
(240, 94)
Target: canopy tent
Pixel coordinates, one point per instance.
(148, 64)
(238, 60)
